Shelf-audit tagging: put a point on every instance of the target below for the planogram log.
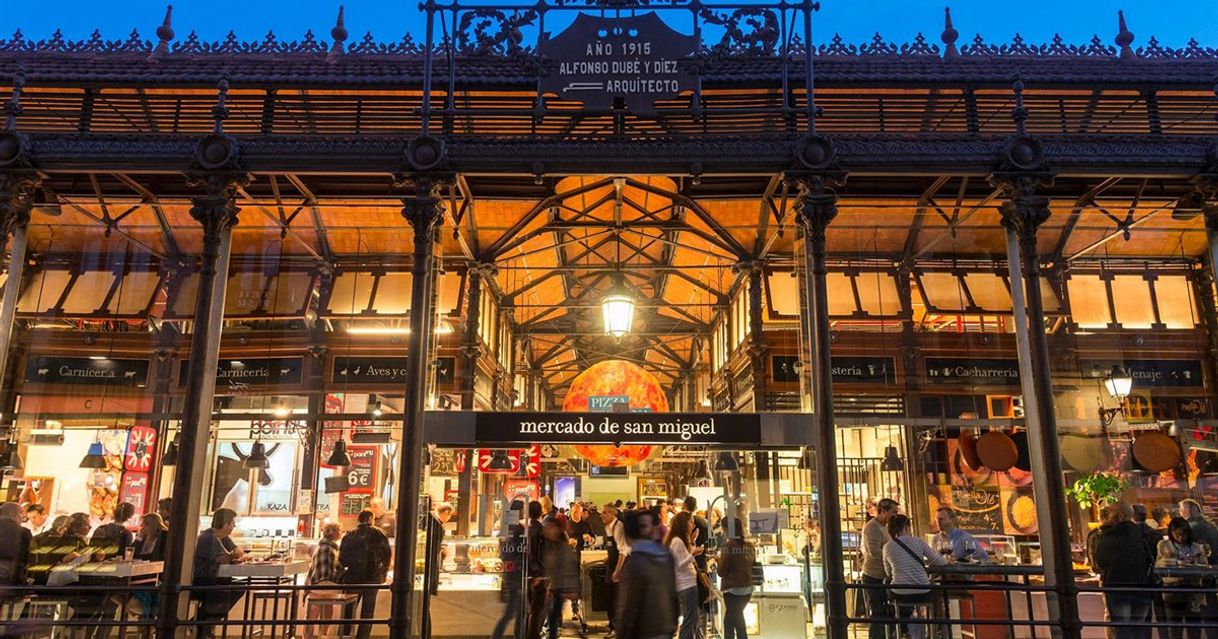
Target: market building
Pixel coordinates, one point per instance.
(619, 250)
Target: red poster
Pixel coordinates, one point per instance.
(362, 472)
(135, 490)
(140, 446)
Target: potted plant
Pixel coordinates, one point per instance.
(1098, 489)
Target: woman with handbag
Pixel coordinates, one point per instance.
(736, 559)
(681, 537)
(1180, 548)
(905, 559)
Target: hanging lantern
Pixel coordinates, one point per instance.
(617, 309)
(892, 461)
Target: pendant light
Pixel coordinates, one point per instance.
(170, 458)
(805, 460)
(9, 459)
(96, 457)
(892, 461)
(499, 460)
(339, 456)
(726, 463)
(257, 457)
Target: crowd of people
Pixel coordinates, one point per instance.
(655, 581)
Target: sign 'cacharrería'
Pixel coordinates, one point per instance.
(635, 59)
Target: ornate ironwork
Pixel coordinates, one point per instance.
(486, 31)
(747, 31)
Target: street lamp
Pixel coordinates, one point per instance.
(1118, 383)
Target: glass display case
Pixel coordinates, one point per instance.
(471, 564)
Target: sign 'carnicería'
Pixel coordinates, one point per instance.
(599, 60)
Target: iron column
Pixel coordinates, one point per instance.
(816, 206)
(1022, 214)
(16, 201)
(216, 211)
(424, 211)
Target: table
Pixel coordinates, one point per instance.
(1186, 571)
(121, 573)
(1024, 573)
(266, 576)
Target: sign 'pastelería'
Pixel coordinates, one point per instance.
(600, 59)
(619, 428)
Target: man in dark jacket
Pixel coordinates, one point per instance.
(364, 555)
(1123, 560)
(536, 569)
(14, 548)
(647, 601)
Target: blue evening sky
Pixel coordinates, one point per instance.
(1172, 21)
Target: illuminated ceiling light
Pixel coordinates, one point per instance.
(282, 411)
(377, 410)
(617, 308)
(98, 358)
(1119, 382)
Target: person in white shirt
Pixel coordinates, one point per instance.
(682, 535)
(905, 559)
(35, 518)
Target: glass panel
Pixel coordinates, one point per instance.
(943, 291)
(1088, 301)
(1176, 306)
(393, 294)
(784, 293)
(350, 293)
(245, 293)
(290, 292)
(88, 292)
(841, 294)
(1131, 296)
(449, 293)
(136, 292)
(989, 292)
(878, 294)
(43, 291)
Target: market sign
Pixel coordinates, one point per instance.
(618, 428)
(1157, 373)
(370, 370)
(600, 60)
(980, 372)
(236, 375)
(86, 371)
(864, 370)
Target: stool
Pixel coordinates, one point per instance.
(10, 607)
(39, 607)
(960, 597)
(324, 603)
(274, 599)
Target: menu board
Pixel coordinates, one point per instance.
(353, 503)
(974, 496)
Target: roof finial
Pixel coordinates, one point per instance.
(1020, 113)
(949, 35)
(1124, 37)
(339, 33)
(219, 113)
(12, 108)
(164, 34)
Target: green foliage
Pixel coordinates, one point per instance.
(1099, 489)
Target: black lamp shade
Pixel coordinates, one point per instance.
(9, 459)
(805, 460)
(499, 460)
(726, 463)
(95, 458)
(171, 453)
(257, 456)
(339, 456)
(892, 461)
